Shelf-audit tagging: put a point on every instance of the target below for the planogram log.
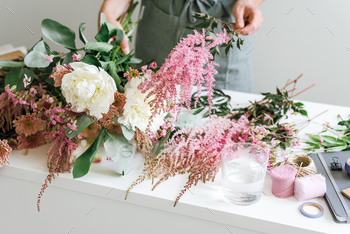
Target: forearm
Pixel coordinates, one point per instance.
(113, 9)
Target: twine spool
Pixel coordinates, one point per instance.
(304, 163)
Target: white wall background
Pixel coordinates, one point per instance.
(299, 41)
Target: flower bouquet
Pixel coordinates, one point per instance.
(96, 101)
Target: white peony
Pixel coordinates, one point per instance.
(137, 111)
(88, 88)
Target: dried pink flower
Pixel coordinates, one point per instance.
(32, 141)
(28, 124)
(60, 71)
(92, 131)
(5, 152)
(112, 126)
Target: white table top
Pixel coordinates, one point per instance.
(204, 201)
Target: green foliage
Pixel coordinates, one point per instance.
(10, 63)
(83, 162)
(68, 58)
(82, 37)
(103, 34)
(327, 143)
(36, 57)
(92, 60)
(128, 133)
(211, 24)
(16, 76)
(82, 123)
(58, 33)
(98, 46)
(268, 111)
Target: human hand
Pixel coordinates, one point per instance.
(248, 16)
(112, 10)
(124, 45)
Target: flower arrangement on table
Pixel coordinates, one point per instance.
(110, 101)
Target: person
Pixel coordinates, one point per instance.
(163, 25)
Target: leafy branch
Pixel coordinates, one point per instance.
(267, 111)
(327, 143)
(211, 24)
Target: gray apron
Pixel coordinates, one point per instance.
(163, 25)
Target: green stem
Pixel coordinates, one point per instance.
(115, 52)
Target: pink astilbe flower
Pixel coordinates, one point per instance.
(58, 157)
(5, 152)
(189, 64)
(195, 151)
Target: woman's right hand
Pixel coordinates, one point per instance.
(113, 9)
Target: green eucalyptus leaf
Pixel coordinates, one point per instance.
(69, 58)
(104, 64)
(92, 60)
(119, 149)
(58, 33)
(128, 133)
(98, 46)
(36, 57)
(103, 19)
(82, 37)
(82, 123)
(118, 33)
(113, 72)
(83, 162)
(134, 61)
(10, 63)
(122, 59)
(103, 34)
(16, 76)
